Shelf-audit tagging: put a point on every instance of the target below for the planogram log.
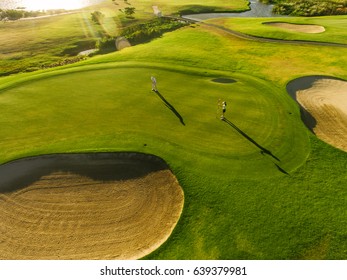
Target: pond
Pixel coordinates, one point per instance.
(257, 9)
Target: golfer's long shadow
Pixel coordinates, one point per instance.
(172, 108)
(263, 150)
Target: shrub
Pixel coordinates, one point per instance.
(105, 45)
(308, 7)
(144, 32)
(18, 14)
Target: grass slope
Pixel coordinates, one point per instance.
(210, 48)
(30, 44)
(238, 203)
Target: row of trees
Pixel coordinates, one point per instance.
(17, 14)
(308, 7)
(140, 33)
(98, 17)
(144, 32)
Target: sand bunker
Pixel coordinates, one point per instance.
(304, 28)
(90, 206)
(156, 11)
(324, 105)
(122, 43)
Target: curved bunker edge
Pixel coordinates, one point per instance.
(297, 27)
(19, 173)
(105, 168)
(303, 83)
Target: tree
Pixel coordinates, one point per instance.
(98, 17)
(129, 11)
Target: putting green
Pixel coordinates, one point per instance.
(114, 109)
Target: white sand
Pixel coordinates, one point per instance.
(69, 216)
(326, 101)
(304, 28)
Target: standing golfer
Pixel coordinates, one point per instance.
(224, 108)
(154, 83)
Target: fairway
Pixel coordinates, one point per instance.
(318, 29)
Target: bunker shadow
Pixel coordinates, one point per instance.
(263, 150)
(104, 167)
(172, 108)
(303, 83)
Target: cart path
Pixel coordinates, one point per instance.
(265, 40)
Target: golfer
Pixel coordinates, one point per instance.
(154, 83)
(224, 108)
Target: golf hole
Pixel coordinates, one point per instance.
(224, 80)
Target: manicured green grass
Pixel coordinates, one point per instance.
(335, 28)
(194, 126)
(238, 203)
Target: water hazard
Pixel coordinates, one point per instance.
(257, 9)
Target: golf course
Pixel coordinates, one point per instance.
(94, 164)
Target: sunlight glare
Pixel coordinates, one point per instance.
(54, 4)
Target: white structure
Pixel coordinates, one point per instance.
(156, 11)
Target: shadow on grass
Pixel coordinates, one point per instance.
(263, 150)
(281, 169)
(172, 108)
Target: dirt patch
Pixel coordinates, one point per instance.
(324, 103)
(89, 206)
(304, 28)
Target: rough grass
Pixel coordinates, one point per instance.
(30, 45)
(293, 217)
(40, 42)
